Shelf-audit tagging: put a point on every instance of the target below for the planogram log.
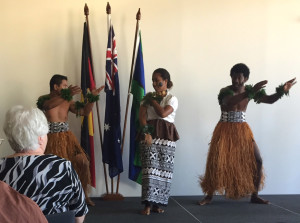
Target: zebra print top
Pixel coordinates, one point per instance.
(48, 180)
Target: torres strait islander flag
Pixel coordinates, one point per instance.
(138, 92)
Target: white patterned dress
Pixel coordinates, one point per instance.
(158, 158)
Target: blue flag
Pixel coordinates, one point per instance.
(138, 92)
(111, 151)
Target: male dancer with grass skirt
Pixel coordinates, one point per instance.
(234, 164)
(61, 141)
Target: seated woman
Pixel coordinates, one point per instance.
(26, 209)
(48, 180)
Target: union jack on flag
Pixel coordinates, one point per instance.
(111, 151)
(111, 61)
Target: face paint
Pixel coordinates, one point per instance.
(160, 84)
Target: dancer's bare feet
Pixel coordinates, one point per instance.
(205, 200)
(257, 200)
(158, 210)
(146, 211)
(89, 202)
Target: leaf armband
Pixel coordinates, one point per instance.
(79, 105)
(259, 95)
(92, 98)
(66, 94)
(280, 91)
(40, 102)
(250, 91)
(223, 93)
(147, 129)
(151, 96)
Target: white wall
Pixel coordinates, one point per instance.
(198, 41)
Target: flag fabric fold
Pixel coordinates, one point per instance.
(87, 84)
(138, 92)
(111, 151)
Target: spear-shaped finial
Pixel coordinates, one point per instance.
(138, 15)
(86, 10)
(108, 8)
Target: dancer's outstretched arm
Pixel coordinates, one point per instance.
(270, 99)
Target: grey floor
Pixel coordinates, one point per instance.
(282, 209)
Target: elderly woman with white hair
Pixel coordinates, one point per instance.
(48, 180)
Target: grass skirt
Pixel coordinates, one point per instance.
(231, 164)
(65, 145)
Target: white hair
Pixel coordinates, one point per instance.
(23, 126)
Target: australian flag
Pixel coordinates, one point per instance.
(111, 151)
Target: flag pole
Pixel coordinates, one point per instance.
(86, 13)
(108, 12)
(111, 195)
(138, 18)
